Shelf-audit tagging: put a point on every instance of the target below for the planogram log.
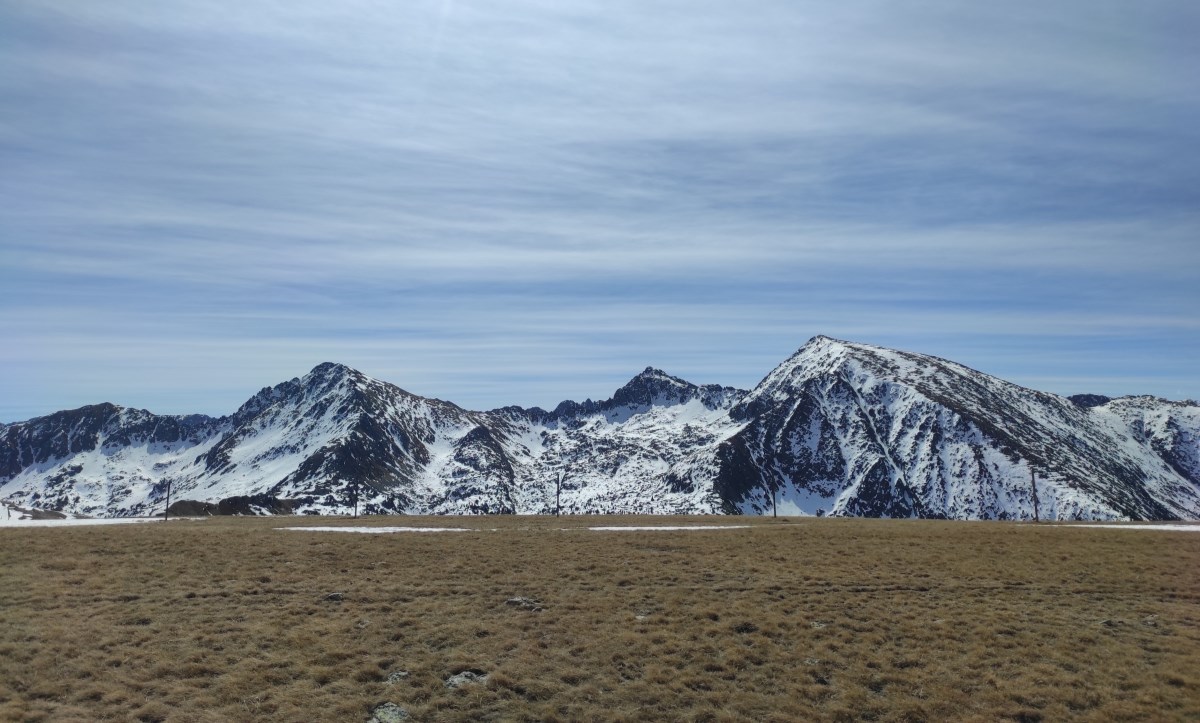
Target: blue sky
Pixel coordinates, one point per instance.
(521, 201)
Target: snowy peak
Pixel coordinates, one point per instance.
(858, 365)
(331, 370)
(651, 387)
(333, 423)
(820, 355)
(871, 431)
(329, 378)
(327, 384)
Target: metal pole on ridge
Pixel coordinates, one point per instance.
(1033, 487)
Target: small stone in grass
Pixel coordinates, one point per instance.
(467, 677)
(334, 597)
(525, 603)
(387, 713)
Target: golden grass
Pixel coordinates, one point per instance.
(799, 620)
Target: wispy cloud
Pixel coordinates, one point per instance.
(521, 201)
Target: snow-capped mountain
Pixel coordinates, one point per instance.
(839, 428)
(859, 430)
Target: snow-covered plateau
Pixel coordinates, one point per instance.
(839, 428)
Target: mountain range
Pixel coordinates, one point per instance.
(840, 428)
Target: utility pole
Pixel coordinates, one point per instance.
(354, 494)
(167, 509)
(558, 495)
(1033, 488)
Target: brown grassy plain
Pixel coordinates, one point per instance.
(809, 619)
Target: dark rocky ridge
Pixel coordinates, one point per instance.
(1087, 401)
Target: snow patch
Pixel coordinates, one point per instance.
(664, 528)
(81, 521)
(379, 530)
(1167, 528)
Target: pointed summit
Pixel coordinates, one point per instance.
(820, 353)
(822, 343)
(328, 367)
(819, 350)
(653, 386)
(324, 379)
(655, 373)
(328, 376)
(331, 370)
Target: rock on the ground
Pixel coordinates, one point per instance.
(397, 676)
(467, 677)
(387, 713)
(525, 603)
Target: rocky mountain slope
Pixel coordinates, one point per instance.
(839, 428)
(858, 430)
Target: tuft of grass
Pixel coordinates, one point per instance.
(813, 619)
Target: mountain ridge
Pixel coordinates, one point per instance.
(839, 428)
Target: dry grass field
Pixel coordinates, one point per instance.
(814, 619)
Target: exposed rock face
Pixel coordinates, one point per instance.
(1087, 401)
(839, 428)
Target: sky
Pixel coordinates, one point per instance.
(524, 201)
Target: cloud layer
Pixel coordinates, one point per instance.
(519, 201)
